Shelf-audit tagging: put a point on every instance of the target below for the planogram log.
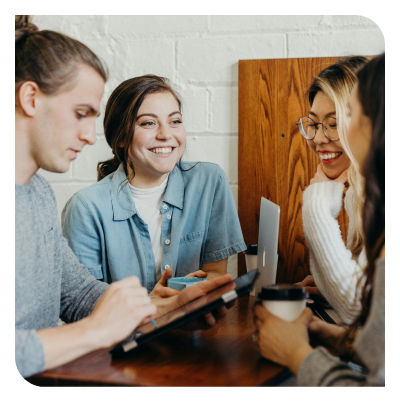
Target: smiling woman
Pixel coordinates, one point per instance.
(152, 215)
(335, 266)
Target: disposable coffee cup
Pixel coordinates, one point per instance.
(285, 301)
(251, 260)
(251, 257)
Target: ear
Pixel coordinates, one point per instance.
(27, 97)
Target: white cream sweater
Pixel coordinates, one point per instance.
(332, 265)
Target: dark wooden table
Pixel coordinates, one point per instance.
(221, 356)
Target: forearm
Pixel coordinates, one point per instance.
(68, 342)
(215, 269)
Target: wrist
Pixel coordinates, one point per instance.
(92, 336)
(164, 305)
(298, 357)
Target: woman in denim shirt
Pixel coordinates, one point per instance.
(150, 214)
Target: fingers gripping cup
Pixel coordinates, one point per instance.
(285, 301)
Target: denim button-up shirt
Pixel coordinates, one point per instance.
(200, 225)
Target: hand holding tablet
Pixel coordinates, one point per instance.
(200, 300)
(163, 289)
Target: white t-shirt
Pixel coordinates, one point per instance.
(148, 203)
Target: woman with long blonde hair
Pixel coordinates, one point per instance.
(335, 266)
(288, 343)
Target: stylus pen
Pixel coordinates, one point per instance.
(154, 323)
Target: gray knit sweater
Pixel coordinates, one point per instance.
(49, 281)
(320, 368)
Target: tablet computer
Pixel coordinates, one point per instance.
(188, 312)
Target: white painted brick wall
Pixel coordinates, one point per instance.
(200, 54)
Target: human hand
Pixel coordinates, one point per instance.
(327, 335)
(320, 176)
(162, 290)
(202, 288)
(283, 342)
(309, 285)
(124, 305)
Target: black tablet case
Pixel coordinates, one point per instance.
(244, 284)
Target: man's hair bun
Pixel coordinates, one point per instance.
(24, 26)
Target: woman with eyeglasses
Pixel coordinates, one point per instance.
(335, 266)
(363, 342)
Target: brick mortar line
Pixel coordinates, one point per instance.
(232, 34)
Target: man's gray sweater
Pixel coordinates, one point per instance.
(49, 280)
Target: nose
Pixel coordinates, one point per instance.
(320, 137)
(88, 134)
(162, 133)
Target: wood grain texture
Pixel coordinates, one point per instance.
(221, 356)
(274, 160)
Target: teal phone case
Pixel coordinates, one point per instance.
(183, 282)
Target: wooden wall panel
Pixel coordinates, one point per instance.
(274, 160)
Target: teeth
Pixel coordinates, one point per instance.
(162, 150)
(330, 156)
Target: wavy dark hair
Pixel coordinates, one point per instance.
(371, 94)
(120, 116)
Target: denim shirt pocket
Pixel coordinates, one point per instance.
(190, 247)
(192, 237)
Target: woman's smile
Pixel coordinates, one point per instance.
(329, 157)
(163, 152)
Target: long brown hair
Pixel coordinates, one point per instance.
(120, 117)
(371, 94)
(337, 82)
(49, 58)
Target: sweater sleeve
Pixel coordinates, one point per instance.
(332, 265)
(80, 290)
(320, 368)
(29, 355)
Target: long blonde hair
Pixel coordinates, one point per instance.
(336, 82)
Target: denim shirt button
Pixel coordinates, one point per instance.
(167, 241)
(165, 206)
(168, 216)
(166, 267)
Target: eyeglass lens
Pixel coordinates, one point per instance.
(308, 128)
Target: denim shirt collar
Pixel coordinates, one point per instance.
(121, 199)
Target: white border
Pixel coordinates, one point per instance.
(349, 7)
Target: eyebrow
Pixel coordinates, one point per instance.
(154, 115)
(92, 110)
(327, 115)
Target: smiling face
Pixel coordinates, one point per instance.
(360, 130)
(65, 122)
(158, 140)
(331, 154)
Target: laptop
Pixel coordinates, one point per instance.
(268, 234)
